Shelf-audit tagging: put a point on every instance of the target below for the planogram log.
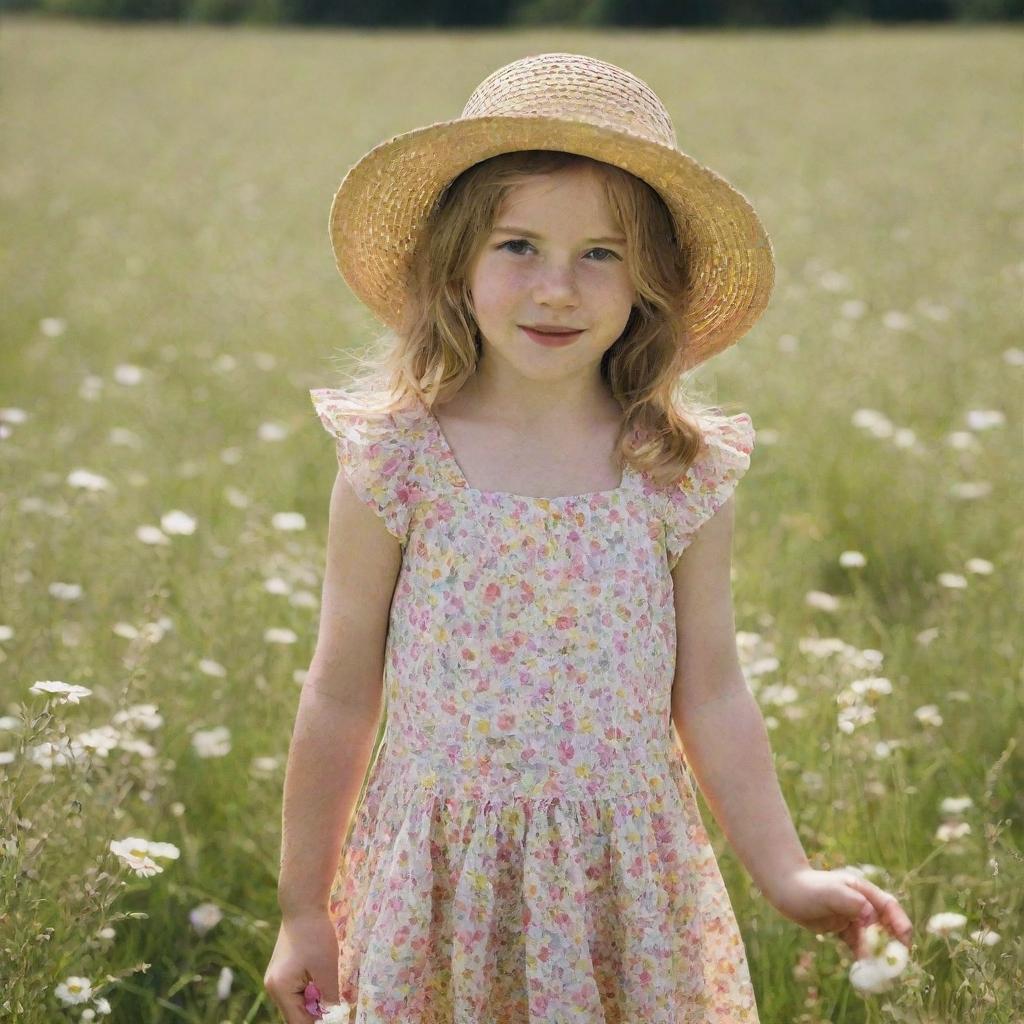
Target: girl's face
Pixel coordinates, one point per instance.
(555, 258)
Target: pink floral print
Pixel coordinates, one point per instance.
(529, 849)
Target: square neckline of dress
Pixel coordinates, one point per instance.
(457, 478)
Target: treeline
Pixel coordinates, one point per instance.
(496, 13)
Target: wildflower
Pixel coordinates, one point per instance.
(88, 480)
(339, 1014)
(886, 960)
(984, 419)
(69, 693)
(74, 990)
(152, 535)
(53, 326)
(873, 421)
(821, 601)
(865, 870)
(138, 854)
(955, 804)
(871, 687)
(153, 632)
(896, 320)
(224, 983)
(272, 432)
(102, 739)
(288, 521)
(779, 693)
(962, 440)
(822, 647)
(139, 716)
(205, 916)
(855, 715)
(214, 742)
(65, 591)
(127, 374)
(950, 830)
(178, 522)
(946, 923)
(928, 714)
(280, 635)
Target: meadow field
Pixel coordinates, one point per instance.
(170, 296)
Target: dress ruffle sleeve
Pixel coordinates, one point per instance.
(375, 456)
(709, 481)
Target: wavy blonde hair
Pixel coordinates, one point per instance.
(438, 346)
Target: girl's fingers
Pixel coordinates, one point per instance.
(303, 1005)
(887, 909)
(895, 918)
(854, 938)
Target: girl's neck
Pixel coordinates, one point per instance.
(532, 406)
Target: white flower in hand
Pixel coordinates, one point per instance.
(340, 1014)
(886, 959)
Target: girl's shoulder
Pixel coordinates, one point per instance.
(728, 443)
(725, 456)
(380, 454)
(341, 413)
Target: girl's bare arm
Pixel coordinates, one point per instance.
(718, 719)
(340, 703)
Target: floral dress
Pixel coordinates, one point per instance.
(528, 848)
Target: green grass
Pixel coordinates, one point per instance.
(165, 194)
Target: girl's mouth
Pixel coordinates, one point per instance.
(551, 339)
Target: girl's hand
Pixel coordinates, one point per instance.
(842, 902)
(302, 976)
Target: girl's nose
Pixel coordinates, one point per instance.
(556, 285)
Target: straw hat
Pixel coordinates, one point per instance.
(578, 104)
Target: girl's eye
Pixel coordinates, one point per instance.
(614, 255)
(514, 241)
(523, 241)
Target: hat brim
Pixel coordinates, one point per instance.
(385, 198)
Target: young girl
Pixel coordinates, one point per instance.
(529, 559)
